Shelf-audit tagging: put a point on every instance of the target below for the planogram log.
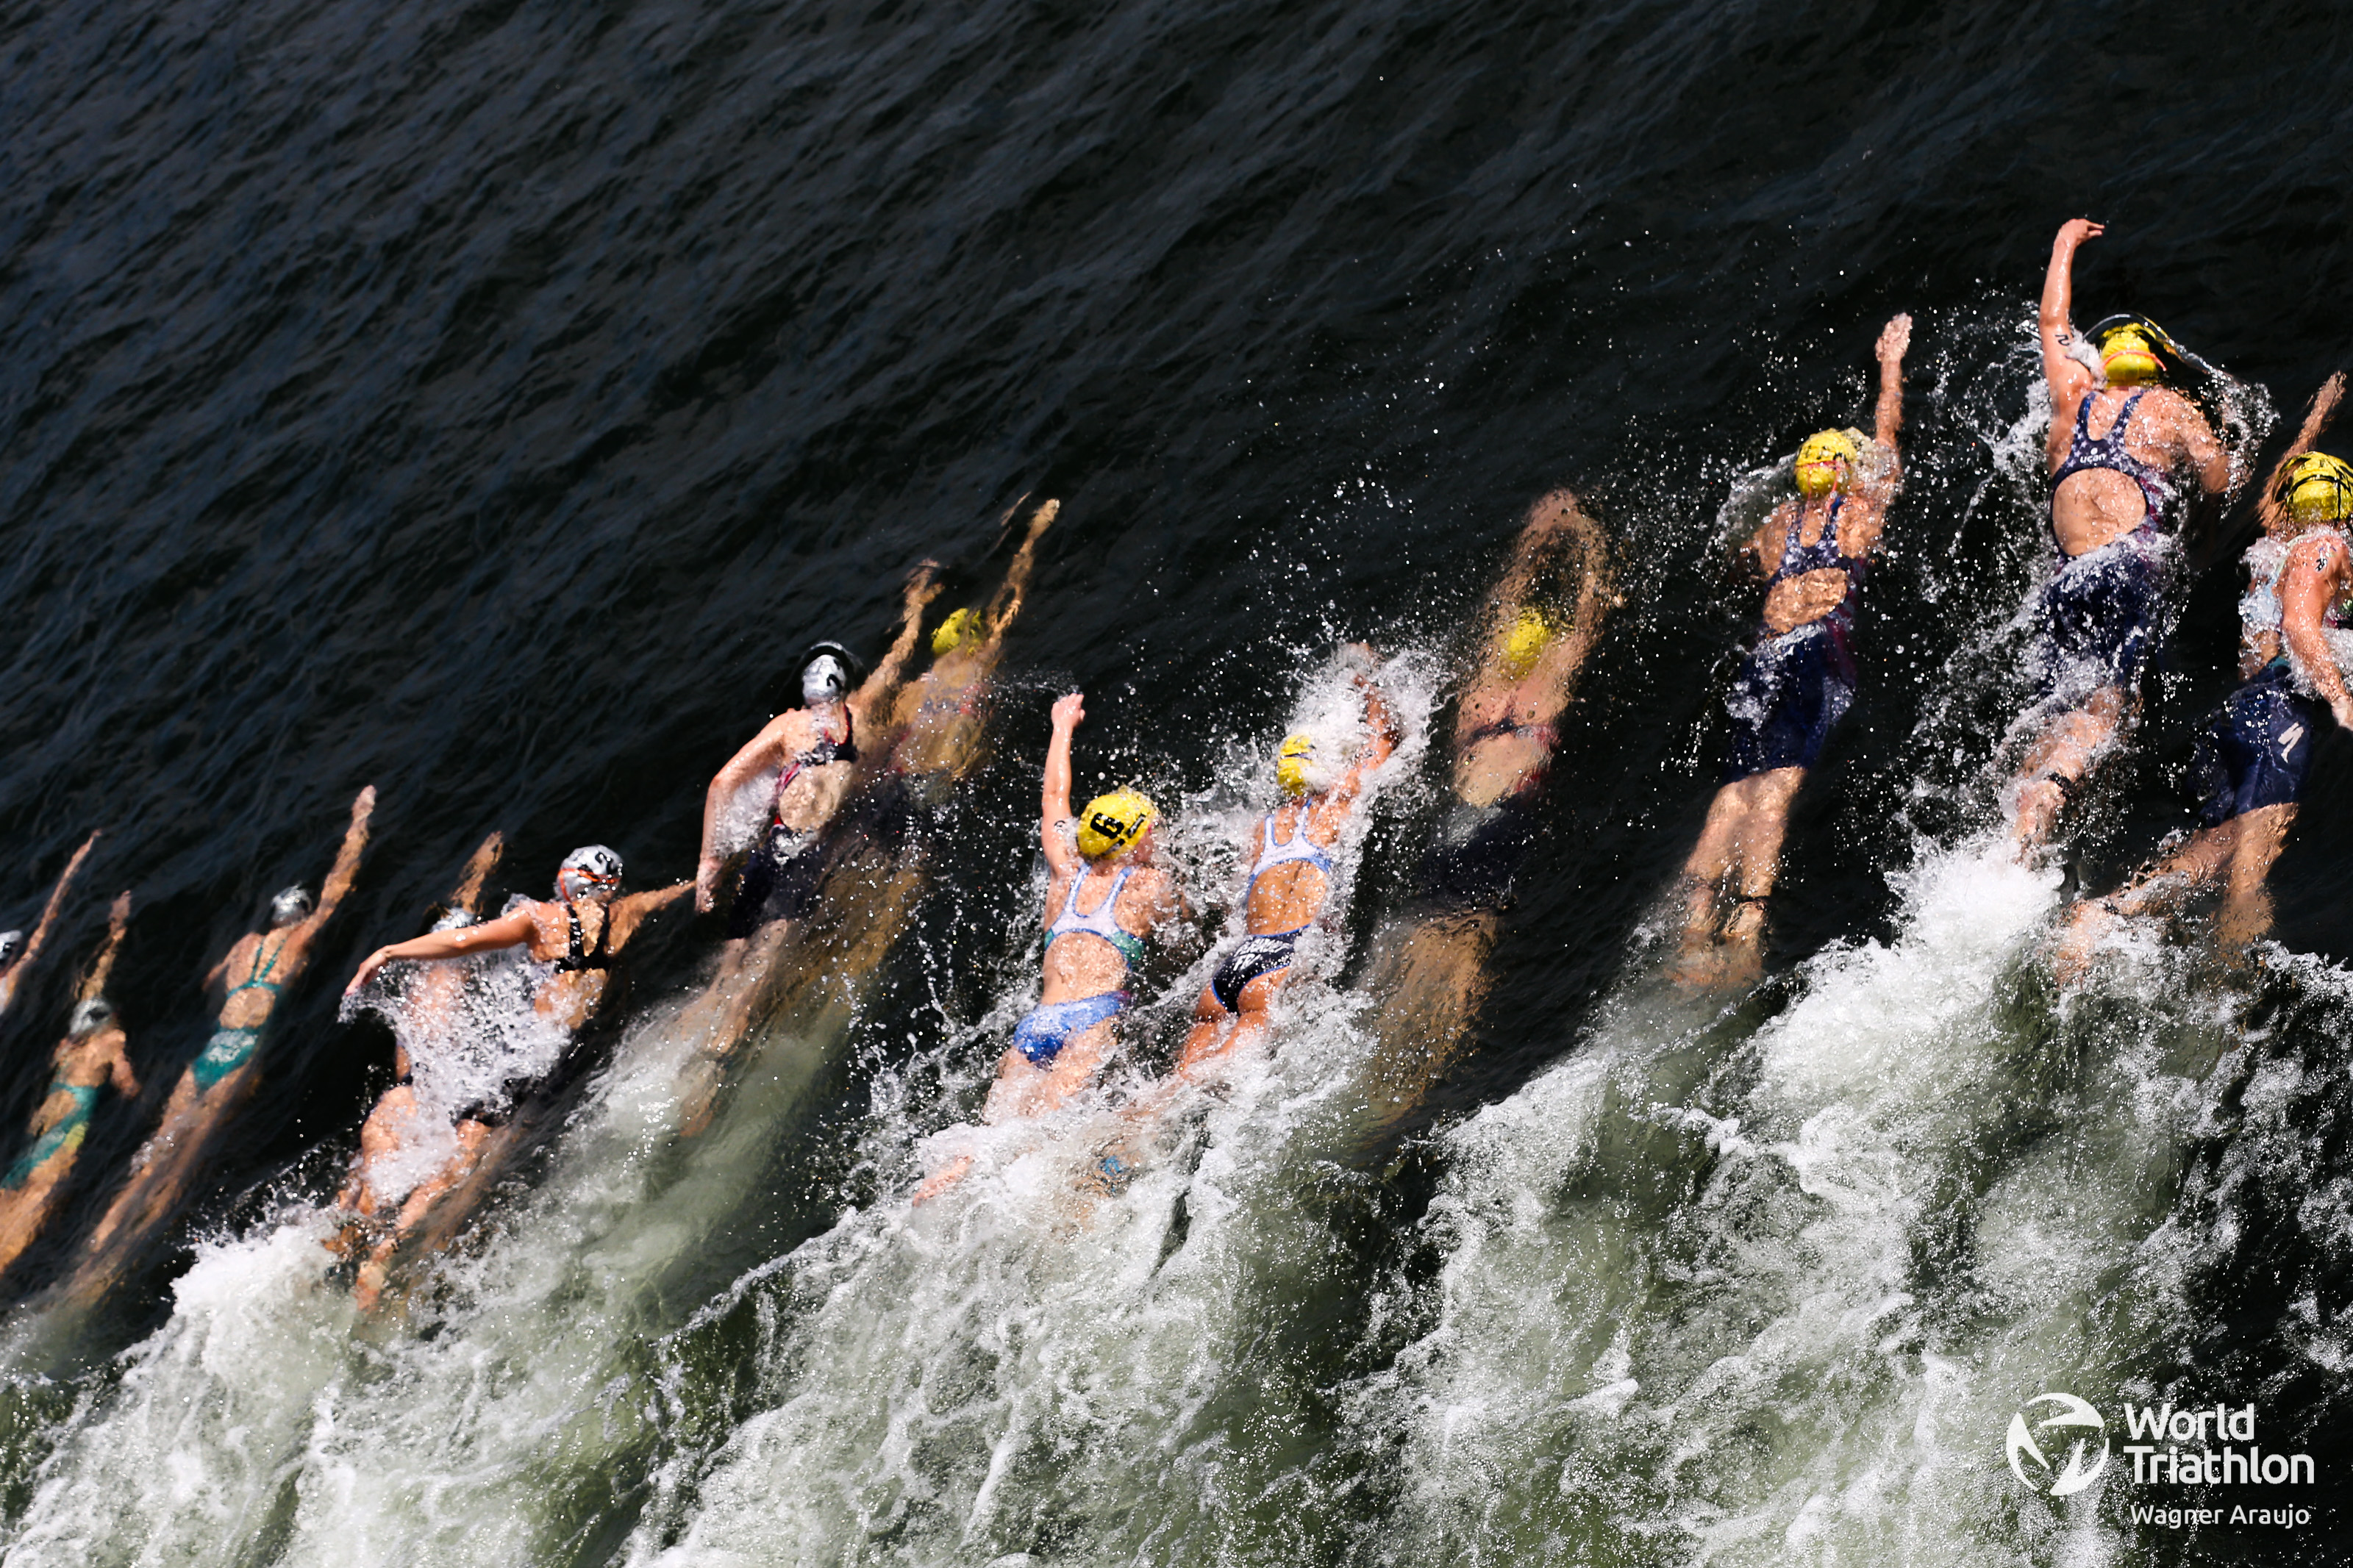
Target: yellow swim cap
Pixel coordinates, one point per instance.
(959, 628)
(1112, 823)
(2317, 488)
(1819, 460)
(1522, 643)
(1292, 764)
(2128, 357)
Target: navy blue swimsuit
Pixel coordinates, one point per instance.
(1795, 685)
(2102, 616)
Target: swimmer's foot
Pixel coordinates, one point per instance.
(2088, 924)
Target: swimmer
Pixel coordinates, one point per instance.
(580, 936)
(384, 1208)
(1104, 894)
(1797, 680)
(2112, 494)
(813, 750)
(1432, 973)
(1290, 877)
(2253, 761)
(17, 951)
(256, 971)
(936, 716)
(874, 862)
(92, 1055)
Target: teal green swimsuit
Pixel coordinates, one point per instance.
(230, 1049)
(63, 1139)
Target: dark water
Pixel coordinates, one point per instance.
(488, 402)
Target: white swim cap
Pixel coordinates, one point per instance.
(590, 872)
(291, 907)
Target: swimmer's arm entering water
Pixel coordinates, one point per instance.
(57, 901)
(118, 919)
(1006, 606)
(923, 587)
(1861, 520)
(1387, 728)
(2270, 506)
(515, 930)
(478, 871)
(630, 910)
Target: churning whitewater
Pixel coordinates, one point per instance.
(1322, 786)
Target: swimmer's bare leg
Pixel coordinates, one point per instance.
(2067, 749)
(1023, 1088)
(1740, 847)
(24, 1212)
(163, 1167)
(2246, 914)
(722, 1016)
(368, 1289)
(2197, 864)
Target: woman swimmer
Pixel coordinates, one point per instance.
(225, 1072)
(16, 951)
(580, 936)
(1289, 879)
(2256, 753)
(93, 1054)
(2112, 503)
(1797, 681)
(1430, 973)
(381, 1195)
(1104, 894)
(812, 750)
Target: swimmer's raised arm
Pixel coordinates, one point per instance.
(2069, 377)
(923, 587)
(507, 931)
(1386, 729)
(478, 871)
(1054, 794)
(2270, 506)
(57, 901)
(345, 870)
(1894, 339)
(1005, 608)
(643, 904)
(118, 919)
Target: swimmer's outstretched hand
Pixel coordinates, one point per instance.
(923, 584)
(364, 807)
(1068, 712)
(2075, 231)
(706, 884)
(1894, 337)
(367, 970)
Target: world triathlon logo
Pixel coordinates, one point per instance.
(2071, 1430)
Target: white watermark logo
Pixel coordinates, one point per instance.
(2078, 1425)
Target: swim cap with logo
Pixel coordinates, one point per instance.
(2317, 488)
(91, 1016)
(1112, 823)
(291, 907)
(12, 947)
(825, 679)
(1522, 643)
(1819, 458)
(960, 628)
(590, 872)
